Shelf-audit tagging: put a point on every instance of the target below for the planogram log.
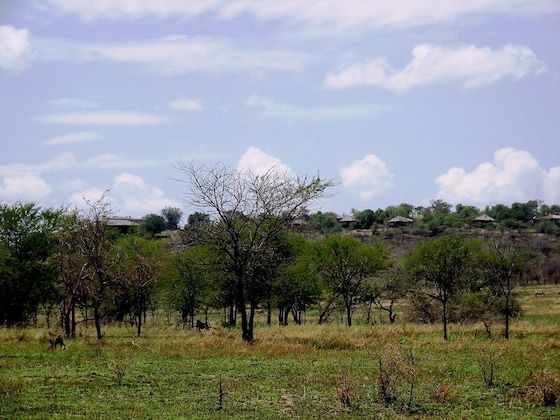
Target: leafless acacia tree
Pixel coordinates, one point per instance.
(249, 213)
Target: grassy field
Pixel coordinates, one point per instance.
(310, 371)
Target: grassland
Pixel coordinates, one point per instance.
(308, 372)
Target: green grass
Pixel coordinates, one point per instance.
(289, 372)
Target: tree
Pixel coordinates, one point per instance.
(365, 218)
(139, 266)
(297, 284)
(197, 218)
(95, 240)
(325, 222)
(172, 216)
(444, 265)
(191, 286)
(70, 263)
(251, 212)
(27, 273)
(391, 287)
(153, 224)
(345, 262)
(504, 262)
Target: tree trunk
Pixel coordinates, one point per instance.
(139, 315)
(97, 319)
(444, 318)
(349, 314)
(507, 317)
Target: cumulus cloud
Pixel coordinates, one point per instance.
(258, 162)
(469, 65)
(133, 195)
(15, 48)
(128, 194)
(79, 137)
(513, 176)
(185, 105)
(272, 108)
(24, 187)
(101, 118)
(328, 13)
(369, 175)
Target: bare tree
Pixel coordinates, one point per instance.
(71, 274)
(94, 244)
(504, 263)
(249, 213)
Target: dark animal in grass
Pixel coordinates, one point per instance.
(201, 325)
(539, 293)
(55, 340)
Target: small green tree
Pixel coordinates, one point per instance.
(191, 287)
(139, 266)
(345, 262)
(296, 285)
(153, 224)
(27, 273)
(172, 216)
(444, 266)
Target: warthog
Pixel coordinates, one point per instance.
(55, 340)
(201, 325)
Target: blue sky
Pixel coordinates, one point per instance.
(401, 101)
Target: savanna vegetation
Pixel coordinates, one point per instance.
(258, 307)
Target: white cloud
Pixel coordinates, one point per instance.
(129, 195)
(15, 48)
(329, 13)
(551, 186)
(176, 54)
(272, 108)
(24, 187)
(79, 137)
(132, 195)
(258, 162)
(72, 103)
(370, 176)
(109, 160)
(469, 65)
(185, 105)
(513, 176)
(60, 162)
(102, 118)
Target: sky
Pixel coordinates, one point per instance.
(401, 101)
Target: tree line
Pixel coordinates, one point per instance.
(252, 245)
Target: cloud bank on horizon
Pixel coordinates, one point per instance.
(404, 101)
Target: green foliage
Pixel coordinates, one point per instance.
(444, 265)
(326, 222)
(190, 288)
(139, 266)
(172, 216)
(297, 285)
(27, 275)
(345, 262)
(153, 224)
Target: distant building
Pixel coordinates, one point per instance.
(400, 221)
(123, 224)
(483, 218)
(347, 221)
